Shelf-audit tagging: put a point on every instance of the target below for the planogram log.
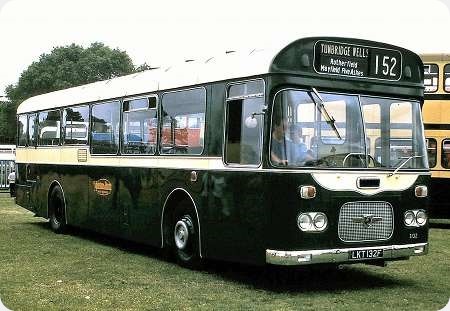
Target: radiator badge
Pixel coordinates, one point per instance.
(103, 187)
(367, 220)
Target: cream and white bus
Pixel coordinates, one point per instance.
(436, 118)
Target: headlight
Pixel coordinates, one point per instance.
(415, 218)
(312, 222)
(304, 222)
(320, 221)
(421, 218)
(409, 218)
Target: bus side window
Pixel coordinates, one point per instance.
(432, 151)
(431, 77)
(139, 126)
(105, 128)
(244, 123)
(183, 122)
(49, 128)
(32, 130)
(447, 78)
(22, 130)
(76, 125)
(445, 161)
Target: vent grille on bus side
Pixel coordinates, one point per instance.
(365, 221)
(82, 155)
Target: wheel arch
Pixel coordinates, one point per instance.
(170, 204)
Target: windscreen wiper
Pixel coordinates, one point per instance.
(403, 164)
(323, 111)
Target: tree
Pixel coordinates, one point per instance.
(7, 122)
(70, 66)
(64, 67)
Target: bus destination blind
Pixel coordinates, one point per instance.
(359, 61)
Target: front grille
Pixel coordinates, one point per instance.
(365, 221)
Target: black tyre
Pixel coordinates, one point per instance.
(57, 210)
(185, 238)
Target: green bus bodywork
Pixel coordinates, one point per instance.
(239, 211)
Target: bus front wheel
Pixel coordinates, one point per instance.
(57, 213)
(185, 238)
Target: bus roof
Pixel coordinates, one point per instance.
(223, 67)
(435, 57)
(298, 57)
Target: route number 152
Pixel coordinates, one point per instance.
(386, 66)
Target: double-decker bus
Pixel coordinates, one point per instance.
(436, 120)
(311, 154)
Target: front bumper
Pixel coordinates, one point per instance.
(291, 258)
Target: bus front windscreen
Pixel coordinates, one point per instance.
(330, 130)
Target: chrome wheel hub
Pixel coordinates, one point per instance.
(181, 234)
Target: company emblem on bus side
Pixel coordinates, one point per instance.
(103, 187)
(367, 220)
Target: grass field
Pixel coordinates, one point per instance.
(40, 270)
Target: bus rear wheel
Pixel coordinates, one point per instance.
(185, 239)
(57, 213)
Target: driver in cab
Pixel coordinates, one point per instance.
(280, 144)
(288, 150)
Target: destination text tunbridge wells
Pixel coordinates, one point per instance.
(340, 64)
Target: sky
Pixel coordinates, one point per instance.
(163, 33)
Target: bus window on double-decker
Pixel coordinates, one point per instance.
(76, 125)
(447, 78)
(245, 104)
(105, 128)
(432, 151)
(22, 130)
(32, 138)
(445, 161)
(139, 126)
(177, 108)
(431, 77)
(49, 128)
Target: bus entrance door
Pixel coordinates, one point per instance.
(31, 180)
